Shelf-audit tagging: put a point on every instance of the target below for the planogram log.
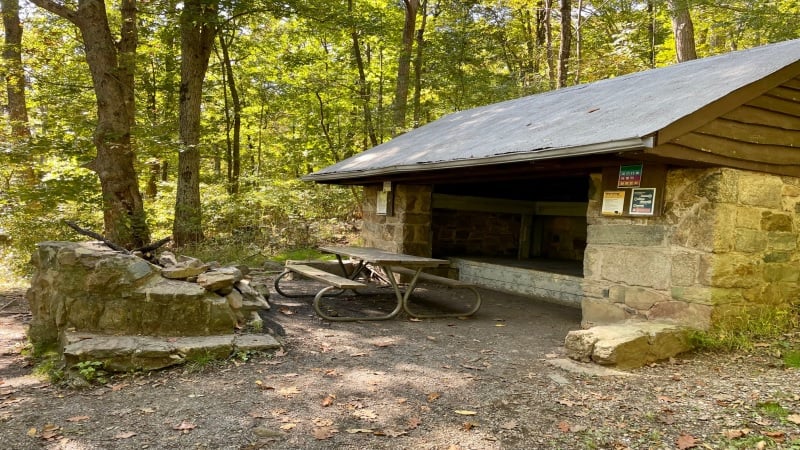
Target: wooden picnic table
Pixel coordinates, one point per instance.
(390, 263)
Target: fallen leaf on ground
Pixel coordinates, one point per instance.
(124, 435)
(184, 426)
(324, 433)
(433, 396)
(565, 402)
(147, 410)
(286, 311)
(281, 352)
(320, 422)
(328, 400)
(78, 418)
(401, 400)
(119, 386)
(32, 432)
(469, 425)
(384, 344)
(366, 414)
(50, 432)
(794, 418)
(289, 391)
(413, 423)
(510, 425)
(414, 319)
(358, 354)
(776, 435)
(499, 324)
(465, 412)
(735, 434)
(390, 433)
(686, 441)
(288, 426)
(563, 426)
(664, 398)
(359, 430)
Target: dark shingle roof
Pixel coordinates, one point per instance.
(612, 115)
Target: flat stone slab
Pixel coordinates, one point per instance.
(627, 345)
(127, 353)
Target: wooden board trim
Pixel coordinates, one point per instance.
(759, 116)
(673, 151)
(772, 154)
(752, 133)
(727, 103)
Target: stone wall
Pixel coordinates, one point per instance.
(408, 228)
(475, 233)
(727, 239)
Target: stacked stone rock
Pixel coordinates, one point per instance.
(97, 304)
(244, 297)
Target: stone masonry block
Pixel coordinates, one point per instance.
(759, 189)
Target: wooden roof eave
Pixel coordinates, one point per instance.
(677, 152)
(724, 105)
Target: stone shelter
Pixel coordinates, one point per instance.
(668, 194)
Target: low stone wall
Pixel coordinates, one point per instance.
(550, 287)
(87, 287)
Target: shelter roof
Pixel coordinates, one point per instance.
(619, 114)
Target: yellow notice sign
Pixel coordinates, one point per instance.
(613, 203)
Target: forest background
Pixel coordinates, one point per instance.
(195, 119)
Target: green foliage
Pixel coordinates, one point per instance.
(791, 359)
(92, 371)
(741, 329)
(773, 409)
(200, 362)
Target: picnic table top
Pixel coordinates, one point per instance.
(383, 257)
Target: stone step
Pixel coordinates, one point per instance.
(130, 353)
(629, 344)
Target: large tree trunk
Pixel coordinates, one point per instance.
(363, 84)
(548, 36)
(198, 29)
(112, 66)
(683, 29)
(566, 42)
(418, 65)
(404, 66)
(235, 163)
(14, 74)
(15, 80)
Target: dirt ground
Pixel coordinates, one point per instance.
(492, 381)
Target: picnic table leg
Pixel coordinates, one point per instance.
(319, 311)
(356, 270)
(402, 297)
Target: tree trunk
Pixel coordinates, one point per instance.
(112, 66)
(236, 144)
(14, 74)
(198, 29)
(548, 38)
(578, 43)
(404, 66)
(15, 80)
(683, 29)
(566, 42)
(363, 86)
(418, 65)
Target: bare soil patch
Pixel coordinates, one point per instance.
(488, 382)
